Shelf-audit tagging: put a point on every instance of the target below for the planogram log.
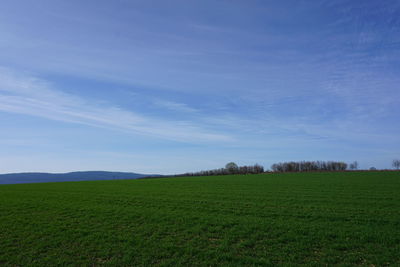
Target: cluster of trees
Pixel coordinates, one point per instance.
(230, 168)
(304, 166)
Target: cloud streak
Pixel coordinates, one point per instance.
(29, 95)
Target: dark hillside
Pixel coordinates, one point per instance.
(35, 177)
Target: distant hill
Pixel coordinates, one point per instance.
(37, 177)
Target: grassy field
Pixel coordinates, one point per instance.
(350, 218)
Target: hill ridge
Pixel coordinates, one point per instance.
(43, 177)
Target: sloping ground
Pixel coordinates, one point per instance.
(270, 219)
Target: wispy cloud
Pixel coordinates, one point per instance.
(175, 106)
(25, 94)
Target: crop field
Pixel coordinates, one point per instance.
(313, 219)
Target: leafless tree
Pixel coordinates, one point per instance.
(396, 163)
(353, 166)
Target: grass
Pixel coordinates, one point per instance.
(313, 219)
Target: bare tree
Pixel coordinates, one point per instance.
(354, 165)
(396, 163)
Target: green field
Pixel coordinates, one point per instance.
(350, 218)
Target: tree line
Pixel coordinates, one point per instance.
(230, 168)
(305, 166)
(291, 166)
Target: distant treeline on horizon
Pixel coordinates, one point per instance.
(230, 168)
(291, 166)
(304, 166)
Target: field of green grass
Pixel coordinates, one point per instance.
(313, 219)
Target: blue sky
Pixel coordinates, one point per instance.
(176, 86)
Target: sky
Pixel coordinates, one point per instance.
(181, 85)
